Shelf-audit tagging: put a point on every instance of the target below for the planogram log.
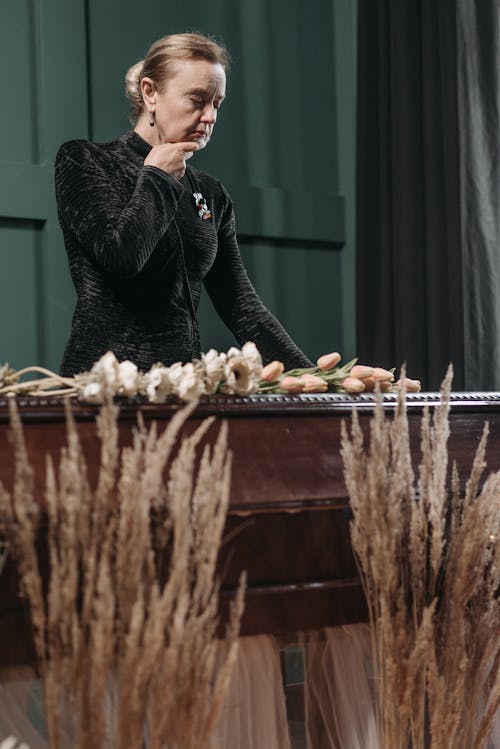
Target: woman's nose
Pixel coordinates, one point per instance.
(209, 115)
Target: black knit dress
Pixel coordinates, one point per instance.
(138, 253)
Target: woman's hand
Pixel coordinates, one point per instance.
(171, 157)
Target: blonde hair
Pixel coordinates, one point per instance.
(159, 63)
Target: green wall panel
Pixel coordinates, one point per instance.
(21, 304)
(43, 56)
(18, 141)
(302, 287)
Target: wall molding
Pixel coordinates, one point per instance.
(26, 190)
(295, 215)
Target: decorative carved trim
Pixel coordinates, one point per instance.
(52, 409)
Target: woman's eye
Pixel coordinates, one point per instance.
(196, 102)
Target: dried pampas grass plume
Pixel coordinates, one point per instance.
(429, 558)
(126, 633)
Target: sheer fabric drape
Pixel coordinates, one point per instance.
(254, 716)
(255, 711)
(340, 711)
(478, 29)
(338, 690)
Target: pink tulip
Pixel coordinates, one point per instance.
(292, 384)
(411, 386)
(382, 375)
(353, 385)
(385, 386)
(328, 361)
(272, 371)
(361, 372)
(369, 384)
(313, 383)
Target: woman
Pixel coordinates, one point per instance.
(143, 229)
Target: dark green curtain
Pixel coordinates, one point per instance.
(428, 202)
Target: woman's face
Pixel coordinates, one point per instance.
(186, 110)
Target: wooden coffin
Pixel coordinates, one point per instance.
(289, 513)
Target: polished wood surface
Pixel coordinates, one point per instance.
(288, 523)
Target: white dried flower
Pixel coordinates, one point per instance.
(239, 371)
(5, 372)
(188, 385)
(253, 357)
(156, 384)
(213, 369)
(128, 378)
(243, 370)
(240, 377)
(107, 369)
(175, 374)
(92, 392)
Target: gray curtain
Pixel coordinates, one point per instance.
(478, 31)
(428, 212)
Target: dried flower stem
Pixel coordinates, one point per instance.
(126, 634)
(429, 563)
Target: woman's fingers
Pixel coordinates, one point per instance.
(171, 157)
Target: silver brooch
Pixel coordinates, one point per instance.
(201, 206)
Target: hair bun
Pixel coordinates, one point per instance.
(132, 80)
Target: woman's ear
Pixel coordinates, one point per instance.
(148, 91)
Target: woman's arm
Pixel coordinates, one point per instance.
(118, 231)
(239, 305)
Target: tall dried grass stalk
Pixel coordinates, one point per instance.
(126, 632)
(429, 557)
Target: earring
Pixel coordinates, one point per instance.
(152, 119)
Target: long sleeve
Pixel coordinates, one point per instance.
(239, 305)
(117, 227)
